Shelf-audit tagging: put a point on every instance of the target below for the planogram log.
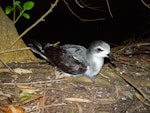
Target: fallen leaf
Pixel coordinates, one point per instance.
(13, 109)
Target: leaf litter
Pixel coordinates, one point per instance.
(120, 88)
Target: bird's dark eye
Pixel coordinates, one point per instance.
(99, 50)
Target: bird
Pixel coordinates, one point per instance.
(75, 60)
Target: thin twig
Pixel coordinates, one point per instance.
(79, 4)
(32, 83)
(14, 11)
(30, 100)
(145, 4)
(47, 106)
(109, 8)
(8, 51)
(135, 87)
(53, 105)
(90, 7)
(37, 22)
(11, 70)
(84, 20)
(44, 98)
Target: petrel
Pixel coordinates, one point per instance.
(75, 60)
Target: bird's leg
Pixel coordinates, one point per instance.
(92, 80)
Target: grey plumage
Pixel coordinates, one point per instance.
(75, 59)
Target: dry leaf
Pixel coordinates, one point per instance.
(13, 109)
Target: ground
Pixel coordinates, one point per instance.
(123, 86)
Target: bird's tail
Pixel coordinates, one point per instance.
(37, 48)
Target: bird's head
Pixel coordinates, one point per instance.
(99, 49)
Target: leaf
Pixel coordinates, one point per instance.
(27, 16)
(25, 96)
(14, 109)
(17, 4)
(72, 111)
(8, 10)
(28, 5)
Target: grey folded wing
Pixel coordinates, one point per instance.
(68, 58)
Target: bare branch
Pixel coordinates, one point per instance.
(145, 4)
(84, 20)
(91, 7)
(14, 50)
(79, 4)
(37, 22)
(109, 8)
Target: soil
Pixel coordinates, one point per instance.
(122, 86)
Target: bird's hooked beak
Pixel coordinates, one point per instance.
(111, 57)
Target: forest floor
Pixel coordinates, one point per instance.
(121, 87)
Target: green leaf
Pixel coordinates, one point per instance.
(28, 5)
(17, 4)
(27, 16)
(8, 10)
(72, 111)
(25, 96)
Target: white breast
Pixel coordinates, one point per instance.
(94, 67)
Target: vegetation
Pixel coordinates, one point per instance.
(28, 5)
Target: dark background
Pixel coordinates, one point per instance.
(131, 20)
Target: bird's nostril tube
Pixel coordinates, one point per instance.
(111, 57)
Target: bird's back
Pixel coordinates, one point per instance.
(68, 58)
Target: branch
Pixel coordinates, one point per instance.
(79, 4)
(145, 4)
(93, 8)
(37, 22)
(109, 8)
(20, 49)
(90, 7)
(84, 20)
